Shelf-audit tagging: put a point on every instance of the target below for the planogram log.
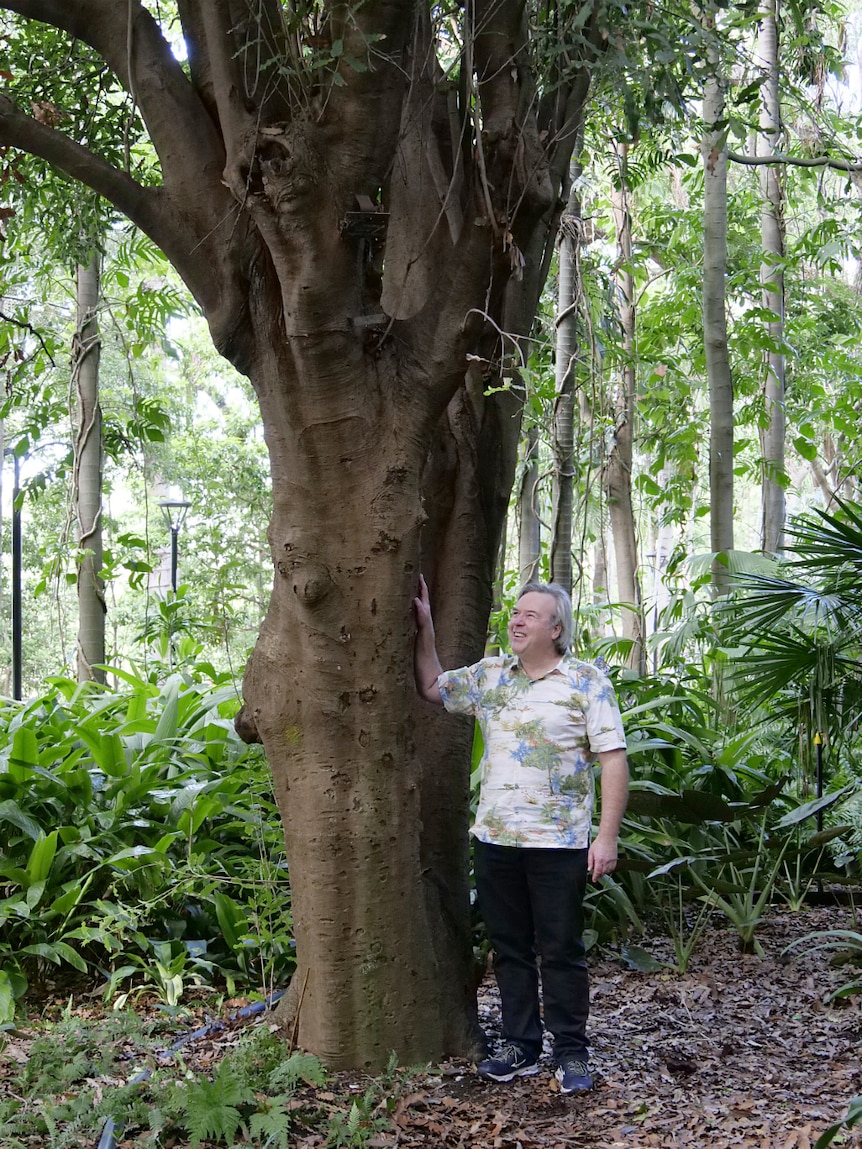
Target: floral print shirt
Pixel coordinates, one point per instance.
(541, 739)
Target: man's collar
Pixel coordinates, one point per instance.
(515, 665)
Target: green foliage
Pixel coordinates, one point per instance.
(714, 823)
(210, 1107)
(854, 1117)
(846, 949)
(67, 1090)
(129, 813)
(799, 630)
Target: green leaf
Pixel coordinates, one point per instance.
(10, 811)
(25, 749)
(231, 919)
(805, 448)
(42, 858)
(636, 957)
(807, 809)
(71, 956)
(133, 856)
(7, 1000)
(166, 730)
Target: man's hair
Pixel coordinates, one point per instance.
(562, 610)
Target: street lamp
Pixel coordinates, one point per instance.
(174, 511)
(17, 628)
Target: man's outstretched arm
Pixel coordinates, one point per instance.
(426, 664)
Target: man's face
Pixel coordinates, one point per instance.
(531, 630)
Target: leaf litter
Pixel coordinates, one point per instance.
(740, 1052)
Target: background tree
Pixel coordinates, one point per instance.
(88, 475)
(772, 277)
(721, 439)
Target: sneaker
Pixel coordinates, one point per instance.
(511, 1062)
(573, 1076)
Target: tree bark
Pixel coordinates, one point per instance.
(618, 466)
(720, 382)
(367, 239)
(88, 475)
(772, 437)
(530, 527)
(565, 359)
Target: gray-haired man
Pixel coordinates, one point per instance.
(545, 717)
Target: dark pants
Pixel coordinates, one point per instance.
(531, 901)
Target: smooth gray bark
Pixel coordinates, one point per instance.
(772, 436)
(617, 475)
(88, 474)
(720, 382)
(529, 523)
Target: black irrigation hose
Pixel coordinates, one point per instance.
(108, 1140)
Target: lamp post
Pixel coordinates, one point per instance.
(174, 511)
(17, 655)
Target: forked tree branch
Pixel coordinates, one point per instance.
(130, 41)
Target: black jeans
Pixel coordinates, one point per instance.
(531, 901)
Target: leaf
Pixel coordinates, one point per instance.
(211, 1106)
(166, 729)
(808, 808)
(231, 919)
(25, 752)
(71, 956)
(7, 999)
(10, 811)
(636, 957)
(42, 858)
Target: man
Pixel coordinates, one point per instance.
(545, 716)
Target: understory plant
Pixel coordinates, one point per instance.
(140, 840)
(845, 946)
(717, 820)
(65, 1092)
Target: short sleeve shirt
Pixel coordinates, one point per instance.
(541, 738)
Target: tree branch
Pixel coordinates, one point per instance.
(144, 206)
(33, 331)
(131, 43)
(515, 155)
(797, 161)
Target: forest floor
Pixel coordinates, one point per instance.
(742, 1050)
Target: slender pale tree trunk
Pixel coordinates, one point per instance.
(565, 357)
(720, 382)
(772, 437)
(88, 474)
(529, 524)
(618, 467)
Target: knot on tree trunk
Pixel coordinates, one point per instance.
(246, 727)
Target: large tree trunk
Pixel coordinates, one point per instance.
(618, 466)
(720, 382)
(88, 475)
(772, 436)
(368, 240)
